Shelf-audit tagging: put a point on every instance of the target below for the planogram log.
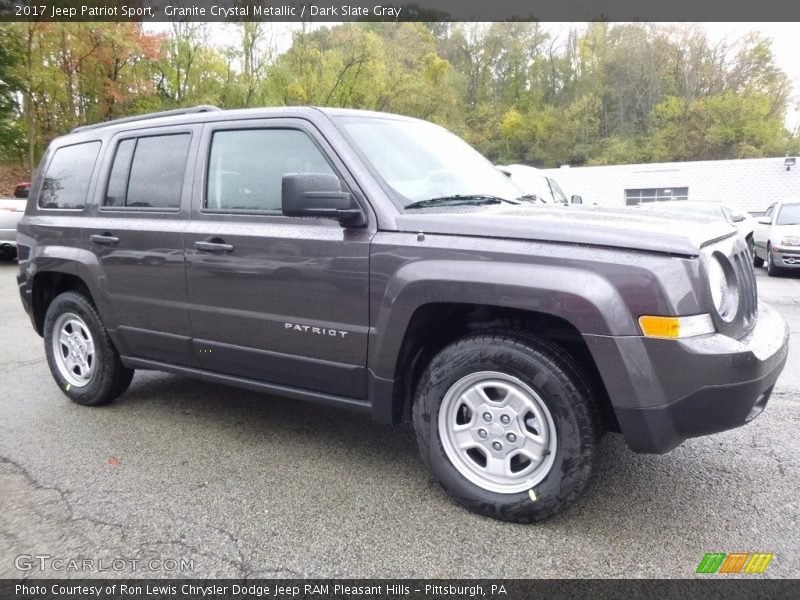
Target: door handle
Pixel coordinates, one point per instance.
(105, 239)
(213, 245)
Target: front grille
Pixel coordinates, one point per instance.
(742, 262)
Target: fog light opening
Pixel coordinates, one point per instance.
(759, 406)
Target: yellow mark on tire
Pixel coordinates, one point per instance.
(68, 386)
(532, 494)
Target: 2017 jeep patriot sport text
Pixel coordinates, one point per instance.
(379, 263)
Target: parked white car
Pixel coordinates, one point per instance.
(537, 185)
(11, 211)
(777, 237)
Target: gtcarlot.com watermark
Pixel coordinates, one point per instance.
(47, 562)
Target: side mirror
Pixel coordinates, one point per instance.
(737, 218)
(319, 195)
(765, 221)
(576, 200)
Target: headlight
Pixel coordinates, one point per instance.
(723, 285)
(790, 241)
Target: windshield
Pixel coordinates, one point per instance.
(789, 215)
(531, 182)
(558, 194)
(421, 161)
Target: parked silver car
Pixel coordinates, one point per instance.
(11, 211)
(777, 237)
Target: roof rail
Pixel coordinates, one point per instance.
(165, 113)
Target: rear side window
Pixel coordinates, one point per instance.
(246, 167)
(148, 172)
(66, 182)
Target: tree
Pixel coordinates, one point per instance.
(520, 92)
(11, 132)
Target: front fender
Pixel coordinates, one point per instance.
(583, 298)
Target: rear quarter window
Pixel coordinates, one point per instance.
(66, 181)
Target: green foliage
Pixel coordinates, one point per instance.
(11, 132)
(599, 94)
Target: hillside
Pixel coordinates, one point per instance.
(10, 175)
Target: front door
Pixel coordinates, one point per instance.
(761, 231)
(272, 298)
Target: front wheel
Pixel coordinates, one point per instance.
(507, 424)
(80, 353)
(772, 270)
(758, 262)
(751, 245)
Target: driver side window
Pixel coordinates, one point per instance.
(246, 167)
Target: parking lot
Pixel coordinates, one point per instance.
(247, 485)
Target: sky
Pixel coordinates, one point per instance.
(785, 38)
(785, 46)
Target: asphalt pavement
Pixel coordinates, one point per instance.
(238, 484)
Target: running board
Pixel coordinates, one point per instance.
(249, 384)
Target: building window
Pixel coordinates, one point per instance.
(634, 197)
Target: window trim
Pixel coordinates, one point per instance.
(260, 126)
(136, 135)
(90, 189)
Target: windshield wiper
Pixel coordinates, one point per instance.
(458, 199)
(531, 198)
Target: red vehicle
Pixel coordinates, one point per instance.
(22, 190)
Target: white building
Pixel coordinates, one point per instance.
(746, 185)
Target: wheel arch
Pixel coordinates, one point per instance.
(433, 326)
(46, 286)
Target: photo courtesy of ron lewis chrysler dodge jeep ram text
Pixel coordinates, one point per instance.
(379, 263)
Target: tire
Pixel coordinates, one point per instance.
(98, 376)
(568, 424)
(772, 270)
(758, 262)
(751, 245)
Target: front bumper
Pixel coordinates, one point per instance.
(665, 391)
(786, 257)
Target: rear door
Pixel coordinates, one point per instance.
(273, 298)
(136, 233)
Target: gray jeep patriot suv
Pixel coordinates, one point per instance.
(379, 263)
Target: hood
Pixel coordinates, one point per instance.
(786, 230)
(629, 228)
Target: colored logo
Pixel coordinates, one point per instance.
(734, 562)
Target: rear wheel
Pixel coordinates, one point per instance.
(80, 353)
(507, 424)
(758, 262)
